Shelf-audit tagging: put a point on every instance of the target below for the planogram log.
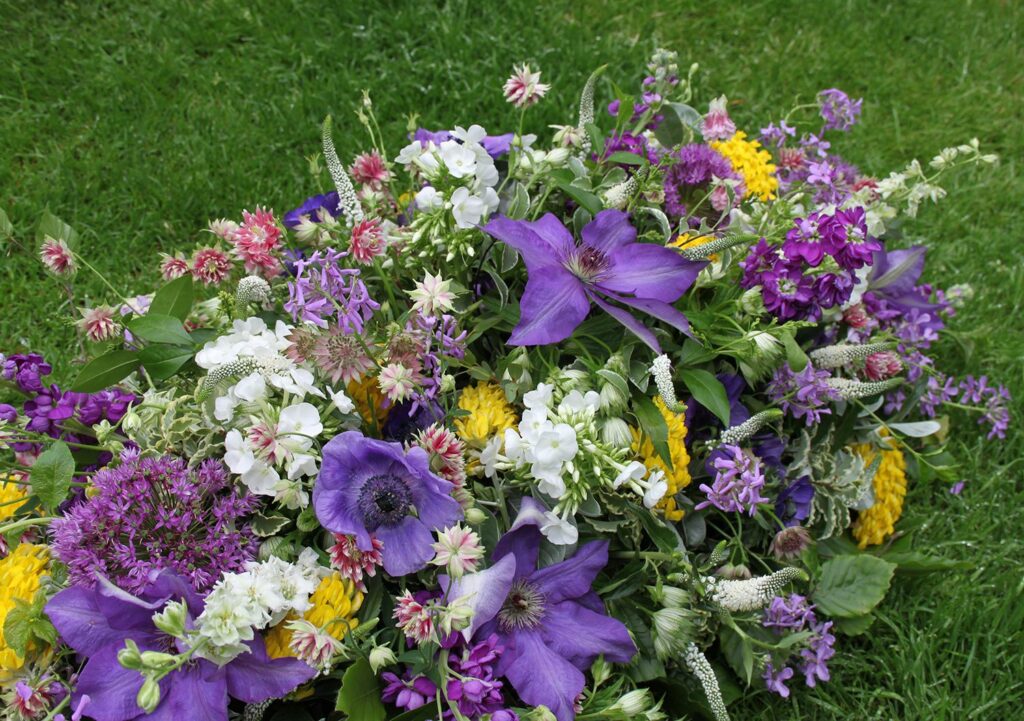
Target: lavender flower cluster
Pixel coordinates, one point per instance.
(794, 614)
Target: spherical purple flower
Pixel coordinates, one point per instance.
(688, 179)
(369, 488)
(738, 482)
(153, 513)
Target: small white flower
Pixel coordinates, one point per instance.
(341, 400)
(489, 454)
(576, 402)
(556, 446)
(460, 160)
(558, 530)
(656, 490)
(251, 389)
(409, 154)
(473, 136)
(433, 294)
(534, 422)
(549, 479)
(540, 397)
(238, 455)
(634, 471)
(467, 209)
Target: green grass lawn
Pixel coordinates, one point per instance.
(136, 123)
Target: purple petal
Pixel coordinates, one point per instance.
(487, 591)
(254, 677)
(662, 311)
(408, 546)
(540, 676)
(632, 324)
(572, 577)
(553, 305)
(896, 272)
(608, 231)
(650, 271)
(580, 635)
(111, 687)
(169, 585)
(198, 693)
(523, 539)
(497, 145)
(540, 243)
(434, 506)
(76, 615)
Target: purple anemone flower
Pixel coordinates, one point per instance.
(374, 487)
(565, 276)
(549, 621)
(96, 622)
(313, 207)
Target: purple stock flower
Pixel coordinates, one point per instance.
(153, 513)
(814, 237)
(26, 371)
(367, 486)
(322, 289)
(995, 402)
(475, 688)
(788, 294)
(688, 179)
(837, 110)
(407, 691)
(565, 277)
(775, 681)
(314, 208)
(804, 394)
(96, 622)
(793, 613)
(940, 389)
(738, 482)
(549, 621)
(777, 134)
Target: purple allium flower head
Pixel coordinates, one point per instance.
(793, 504)
(549, 621)
(322, 289)
(837, 110)
(565, 276)
(369, 488)
(96, 622)
(689, 178)
(738, 482)
(804, 394)
(314, 207)
(149, 514)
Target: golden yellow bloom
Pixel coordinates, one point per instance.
(686, 241)
(20, 576)
(890, 486)
(753, 163)
(489, 413)
(365, 393)
(679, 477)
(335, 603)
(10, 494)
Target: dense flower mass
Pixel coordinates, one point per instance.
(550, 423)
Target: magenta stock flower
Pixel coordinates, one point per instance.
(565, 277)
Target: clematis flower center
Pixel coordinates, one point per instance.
(384, 501)
(586, 263)
(523, 607)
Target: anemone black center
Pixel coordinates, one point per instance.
(384, 501)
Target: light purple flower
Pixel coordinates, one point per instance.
(837, 110)
(374, 489)
(323, 289)
(802, 395)
(738, 482)
(565, 277)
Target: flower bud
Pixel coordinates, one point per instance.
(156, 660)
(615, 432)
(172, 619)
(149, 696)
(381, 656)
(129, 656)
(475, 516)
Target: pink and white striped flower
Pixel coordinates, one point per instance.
(57, 257)
(524, 87)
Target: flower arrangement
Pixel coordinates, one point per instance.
(612, 425)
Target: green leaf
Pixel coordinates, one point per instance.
(18, 627)
(917, 563)
(664, 536)
(160, 328)
(519, 206)
(738, 652)
(174, 299)
(359, 696)
(51, 475)
(596, 139)
(624, 157)
(105, 371)
(654, 425)
(423, 713)
(670, 130)
(162, 361)
(795, 355)
(585, 198)
(708, 391)
(267, 525)
(856, 625)
(852, 585)
(6, 229)
(51, 225)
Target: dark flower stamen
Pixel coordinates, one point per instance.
(384, 501)
(524, 607)
(588, 264)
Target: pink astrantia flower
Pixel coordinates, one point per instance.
(717, 125)
(524, 88)
(173, 266)
(312, 645)
(396, 382)
(413, 618)
(341, 356)
(879, 366)
(458, 549)
(98, 323)
(353, 564)
(57, 257)
(257, 241)
(211, 265)
(445, 450)
(370, 169)
(368, 241)
(223, 228)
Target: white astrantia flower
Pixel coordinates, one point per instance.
(558, 530)
(432, 295)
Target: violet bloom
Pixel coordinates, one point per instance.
(549, 621)
(565, 277)
(96, 623)
(629, 143)
(407, 691)
(793, 504)
(837, 110)
(314, 207)
(26, 371)
(814, 237)
(495, 145)
(794, 614)
(323, 289)
(375, 489)
(802, 395)
(689, 178)
(738, 482)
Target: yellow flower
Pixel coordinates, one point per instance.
(753, 163)
(679, 477)
(10, 494)
(890, 486)
(20, 575)
(687, 241)
(335, 603)
(365, 393)
(489, 413)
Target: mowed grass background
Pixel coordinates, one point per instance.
(136, 123)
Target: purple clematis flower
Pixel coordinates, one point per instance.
(374, 487)
(565, 277)
(551, 624)
(313, 207)
(96, 622)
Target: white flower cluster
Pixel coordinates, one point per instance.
(462, 176)
(752, 593)
(546, 446)
(261, 596)
(699, 666)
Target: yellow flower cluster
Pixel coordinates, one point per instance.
(679, 477)
(753, 163)
(688, 241)
(489, 413)
(365, 393)
(335, 603)
(20, 575)
(890, 486)
(10, 494)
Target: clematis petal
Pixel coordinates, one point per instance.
(523, 539)
(632, 324)
(83, 626)
(657, 309)
(542, 677)
(553, 305)
(487, 591)
(650, 271)
(580, 635)
(193, 693)
(254, 677)
(572, 577)
(610, 230)
(540, 243)
(111, 687)
(407, 546)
